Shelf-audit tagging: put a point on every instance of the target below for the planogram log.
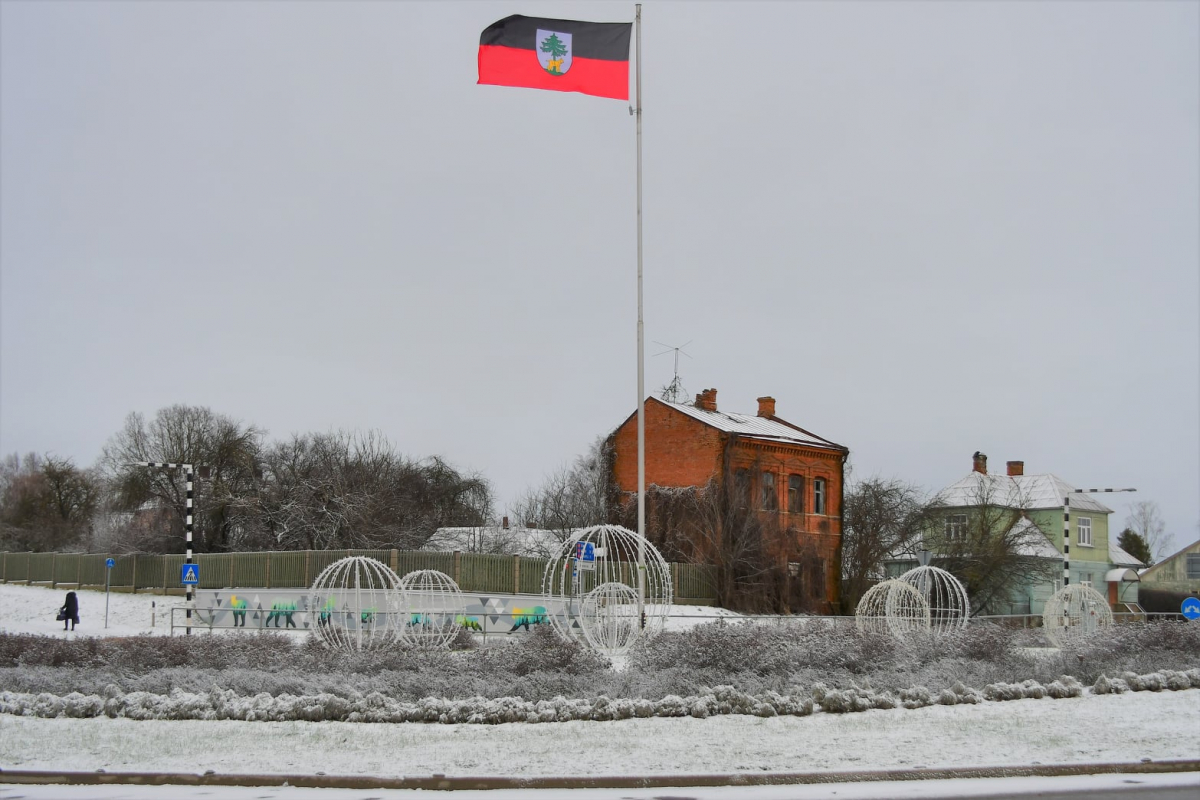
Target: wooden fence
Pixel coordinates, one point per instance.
(473, 572)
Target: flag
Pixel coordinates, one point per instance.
(562, 55)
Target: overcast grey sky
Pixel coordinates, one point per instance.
(925, 228)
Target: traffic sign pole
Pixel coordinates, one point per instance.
(108, 565)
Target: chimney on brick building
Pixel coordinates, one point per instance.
(707, 400)
(980, 463)
(505, 523)
(1016, 468)
(766, 406)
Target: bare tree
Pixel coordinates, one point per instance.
(1145, 519)
(46, 503)
(880, 518)
(991, 544)
(572, 497)
(180, 434)
(341, 490)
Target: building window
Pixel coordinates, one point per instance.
(795, 494)
(1087, 579)
(741, 486)
(956, 527)
(1193, 566)
(818, 495)
(770, 500)
(1085, 531)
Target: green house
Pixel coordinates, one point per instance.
(1026, 513)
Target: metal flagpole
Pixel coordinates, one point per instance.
(641, 357)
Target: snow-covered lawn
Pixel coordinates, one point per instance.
(1089, 729)
(31, 609)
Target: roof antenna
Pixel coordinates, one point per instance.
(674, 392)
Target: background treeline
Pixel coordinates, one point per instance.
(311, 491)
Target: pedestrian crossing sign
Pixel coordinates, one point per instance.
(190, 574)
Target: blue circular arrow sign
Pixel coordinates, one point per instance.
(110, 563)
(1191, 608)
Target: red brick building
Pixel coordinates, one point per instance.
(792, 477)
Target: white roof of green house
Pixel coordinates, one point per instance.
(1121, 558)
(1017, 491)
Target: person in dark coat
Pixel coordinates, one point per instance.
(70, 611)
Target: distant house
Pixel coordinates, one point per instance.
(1031, 506)
(496, 539)
(787, 474)
(1172, 579)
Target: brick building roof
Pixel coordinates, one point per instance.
(768, 428)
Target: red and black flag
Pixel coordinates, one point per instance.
(564, 55)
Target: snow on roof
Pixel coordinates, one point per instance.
(1034, 542)
(772, 429)
(1119, 557)
(1016, 491)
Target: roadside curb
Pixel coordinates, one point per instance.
(450, 783)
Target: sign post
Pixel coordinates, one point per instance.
(109, 563)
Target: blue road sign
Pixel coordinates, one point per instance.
(585, 551)
(1191, 607)
(189, 574)
(110, 563)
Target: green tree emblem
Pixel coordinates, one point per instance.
(554, 46)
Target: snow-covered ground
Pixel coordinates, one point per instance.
(1089, 729)
(31, 609)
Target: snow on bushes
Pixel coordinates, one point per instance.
(218, 704)
(762, 670)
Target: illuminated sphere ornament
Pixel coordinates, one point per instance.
(434, 609)
(354, 604)
(608, 618)
(585, 580)
(892, 607)
(949, 608)
(1073, 612)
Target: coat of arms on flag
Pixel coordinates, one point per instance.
(554, 51)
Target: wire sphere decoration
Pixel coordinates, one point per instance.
(434, 609)
(1073, 612)
(356, 604)
(893, 607)
(608, 617)
(945, 595)
(604, 557)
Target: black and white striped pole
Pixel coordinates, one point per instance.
(1067, 526)
(187, 523)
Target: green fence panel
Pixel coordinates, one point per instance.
(412, 560)
(288, 569)
(486, 573)
(149, 571)
(318, 560)
(17, 567)
(92, 569)
(532, 570)
(41, 566)
(695, 581)
(248, 570)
